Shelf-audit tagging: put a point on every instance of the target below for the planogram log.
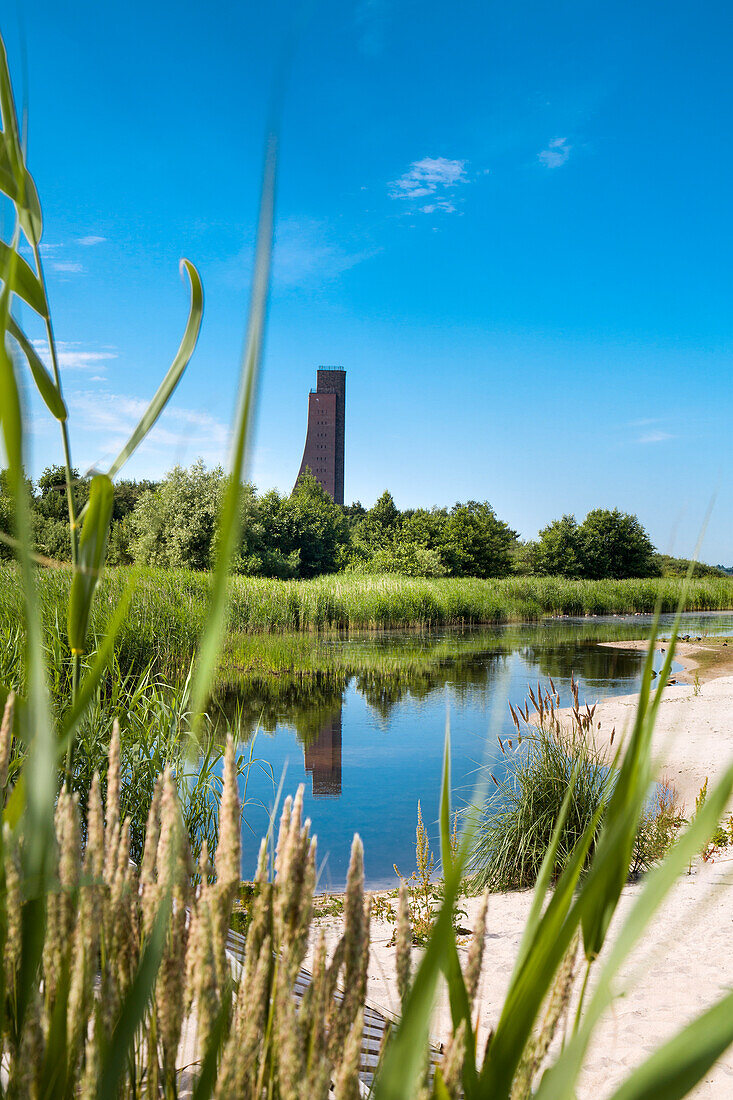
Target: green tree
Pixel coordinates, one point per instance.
(174, 524)
(614, 544)
(320, 532)
(557, 552)
(477, 543)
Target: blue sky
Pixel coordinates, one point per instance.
(511, 224)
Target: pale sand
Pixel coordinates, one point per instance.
(685, 962)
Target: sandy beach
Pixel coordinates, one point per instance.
(685, 961)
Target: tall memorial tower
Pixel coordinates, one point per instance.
(323, 454)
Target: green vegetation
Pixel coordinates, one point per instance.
(172, 523)
(168, 608)
(108, 970)
(549, 758)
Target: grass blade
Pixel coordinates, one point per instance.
(92, 549)
(26, 284)
(404, 1057)
(134, 1007)
(175, 371)
(228, 529)
(675, 1068)
(44, 382)
(559, 1081)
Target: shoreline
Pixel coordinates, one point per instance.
(693, 734)
(684, 963)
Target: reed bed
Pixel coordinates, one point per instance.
(169, 607)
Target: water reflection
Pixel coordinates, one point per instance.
(322, 758)
(360, 721)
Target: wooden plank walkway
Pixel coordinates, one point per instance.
(376, 1023)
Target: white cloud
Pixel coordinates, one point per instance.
(109, 418)
(556, 153)
(445, 205)
(73, 356)
(431, 176)
(306, 252)
(89, 242)
(68, 267)
(654, 437)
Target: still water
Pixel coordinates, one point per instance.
(370, 745)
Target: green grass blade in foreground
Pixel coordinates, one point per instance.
(228, 530)
(404, 1057)
(44, 382)
(176, 369)
(533, 978)
(559, 1081)
(629, 792)
(40, 785)
(544, 879)
(102, 658)
(26, 284)
(675, 1068)
(15, 180)
(114, 1059)
(92, 550)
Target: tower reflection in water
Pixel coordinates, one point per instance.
(323, 758)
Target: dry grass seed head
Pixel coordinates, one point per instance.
(452, 1065)
(6, 741)
(346, 1085)
(403, 937)
(476, 950)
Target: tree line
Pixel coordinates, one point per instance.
(172, 523)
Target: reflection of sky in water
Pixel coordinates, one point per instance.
(368, 766)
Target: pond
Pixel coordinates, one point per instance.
(364, 731)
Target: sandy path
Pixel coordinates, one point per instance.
(686, 961)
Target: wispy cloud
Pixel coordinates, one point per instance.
(109, 418)
(654, 437)
(432, 177)
(89, 242)
(74, 356)
(307, 251)
(68, 267)
(556, 153)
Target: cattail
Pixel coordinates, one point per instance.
(6, 741)
(476, 950)
(404, 946)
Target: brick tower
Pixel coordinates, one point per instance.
(323, 454)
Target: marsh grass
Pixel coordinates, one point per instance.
(551, 755)
(168, 608)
